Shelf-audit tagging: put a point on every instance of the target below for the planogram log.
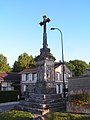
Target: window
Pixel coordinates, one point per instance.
(34, 76)
(27, 76)
(4, 88)
(59, 89)
(57, 76)
(24, 88)
(65, 77)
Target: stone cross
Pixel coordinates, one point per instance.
(45, 20)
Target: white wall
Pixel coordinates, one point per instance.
(31, 77)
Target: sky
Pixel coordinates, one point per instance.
(20, 30)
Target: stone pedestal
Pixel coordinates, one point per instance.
(44, 87)
(42, 103)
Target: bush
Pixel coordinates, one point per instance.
(16, 115)
(66, 116)
(9, 96)
(80, 99)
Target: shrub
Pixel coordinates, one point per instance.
(65, 116)
(80, 99)
(8, 96)
(16, 115)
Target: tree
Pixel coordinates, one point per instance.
(4, 66)
(78, 67)
(24, 61)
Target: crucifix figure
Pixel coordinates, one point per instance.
(45, 20)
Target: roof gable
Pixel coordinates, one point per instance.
(29, 70)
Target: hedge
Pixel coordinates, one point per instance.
(9, 96)
(67, 116)
(16, 115)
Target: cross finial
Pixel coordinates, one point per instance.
(45, 20)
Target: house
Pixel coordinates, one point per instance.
(29, 78)
(59, 77)
(9, 81)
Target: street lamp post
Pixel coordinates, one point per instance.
(64, 94)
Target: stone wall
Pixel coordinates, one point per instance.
(78, 83)
(79, 95)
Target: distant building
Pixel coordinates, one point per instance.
(59, 77)
(9, 81)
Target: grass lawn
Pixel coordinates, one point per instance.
(16, 115)
(63, 116)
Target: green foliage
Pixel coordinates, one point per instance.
(21, 115)
(51, 54)
(66, 116)
(8, 96)
(78, 67)
(24, 61)
(4, 66)
(16, 115)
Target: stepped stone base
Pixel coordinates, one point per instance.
(42, 103)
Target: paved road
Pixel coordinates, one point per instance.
(7, 106)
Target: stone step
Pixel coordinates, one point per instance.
(32, 110)
(44, 96)
(40, 105)
(45, 100)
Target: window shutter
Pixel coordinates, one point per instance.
(35, 77)
(23, 77)
(30, 75)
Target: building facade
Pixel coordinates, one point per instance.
(9, 81)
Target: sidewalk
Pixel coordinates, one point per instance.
(7, 106)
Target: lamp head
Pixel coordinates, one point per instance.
(52, 28)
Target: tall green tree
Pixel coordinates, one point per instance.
(78, 67)
(24, 61)
(4, 66)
